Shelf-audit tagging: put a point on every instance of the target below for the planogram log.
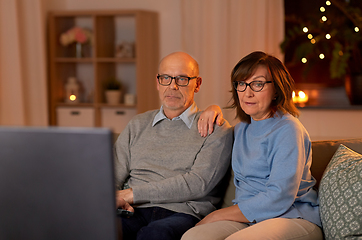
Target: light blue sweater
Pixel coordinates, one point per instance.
(271, 161)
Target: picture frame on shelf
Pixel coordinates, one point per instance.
(125, 50)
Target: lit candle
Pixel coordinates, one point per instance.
(72, 90)
(72, 97)
(301, 98)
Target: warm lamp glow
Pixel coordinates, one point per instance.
(72, 90)
(301, 94)
(328, 3)
(312, 41)
(305, 29)
(322, 9)
(356, 29)
(324, 18)
(310, 36)
(304, 60)
(321, 56)
(300, 99)
(328, 36)
(72, 97)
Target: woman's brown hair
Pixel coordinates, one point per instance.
(282, 80)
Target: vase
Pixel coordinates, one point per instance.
(113, 97)
(353, 86)
(79, 50)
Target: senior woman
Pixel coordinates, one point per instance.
(271, 159)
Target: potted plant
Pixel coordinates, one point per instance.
(113, 91)
(332, 36)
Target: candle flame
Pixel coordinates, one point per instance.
(300, 98)
(72, 97)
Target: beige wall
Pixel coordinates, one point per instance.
(328, 124)
(23, 93)
(321, 124)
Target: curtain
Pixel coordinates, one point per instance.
(218, 33)
(23, 87)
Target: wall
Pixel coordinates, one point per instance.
(23, 88)
(327, 124)
(322, 124)
(169, 15)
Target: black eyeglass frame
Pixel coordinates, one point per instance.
(236, 83)
(176, 80)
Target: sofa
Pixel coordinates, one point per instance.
(341, 216)
(339, 188)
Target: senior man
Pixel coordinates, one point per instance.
(172, 173)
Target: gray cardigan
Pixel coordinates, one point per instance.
(171, 166)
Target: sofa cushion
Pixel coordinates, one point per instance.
(340, 195)
(322, 152)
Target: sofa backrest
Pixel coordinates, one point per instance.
(323, 151)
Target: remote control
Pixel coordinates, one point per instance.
(124, 213)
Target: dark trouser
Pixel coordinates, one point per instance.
(156, 223)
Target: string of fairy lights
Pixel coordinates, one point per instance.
(328, 36)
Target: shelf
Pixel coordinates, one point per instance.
(63, 104)
(105, 105)
(132, 34)
(117, 60)
(86, 60)
(73, 60)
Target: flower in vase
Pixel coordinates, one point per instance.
(75, 34)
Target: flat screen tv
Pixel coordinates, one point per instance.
(57, 183)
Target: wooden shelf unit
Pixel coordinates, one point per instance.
(109, 29)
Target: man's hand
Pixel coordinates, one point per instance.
(121, 203)
(126, 195)
(211, 115)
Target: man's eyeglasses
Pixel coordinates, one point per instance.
(256, 86)
(181, 81)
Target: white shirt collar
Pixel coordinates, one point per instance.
(187, 116)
